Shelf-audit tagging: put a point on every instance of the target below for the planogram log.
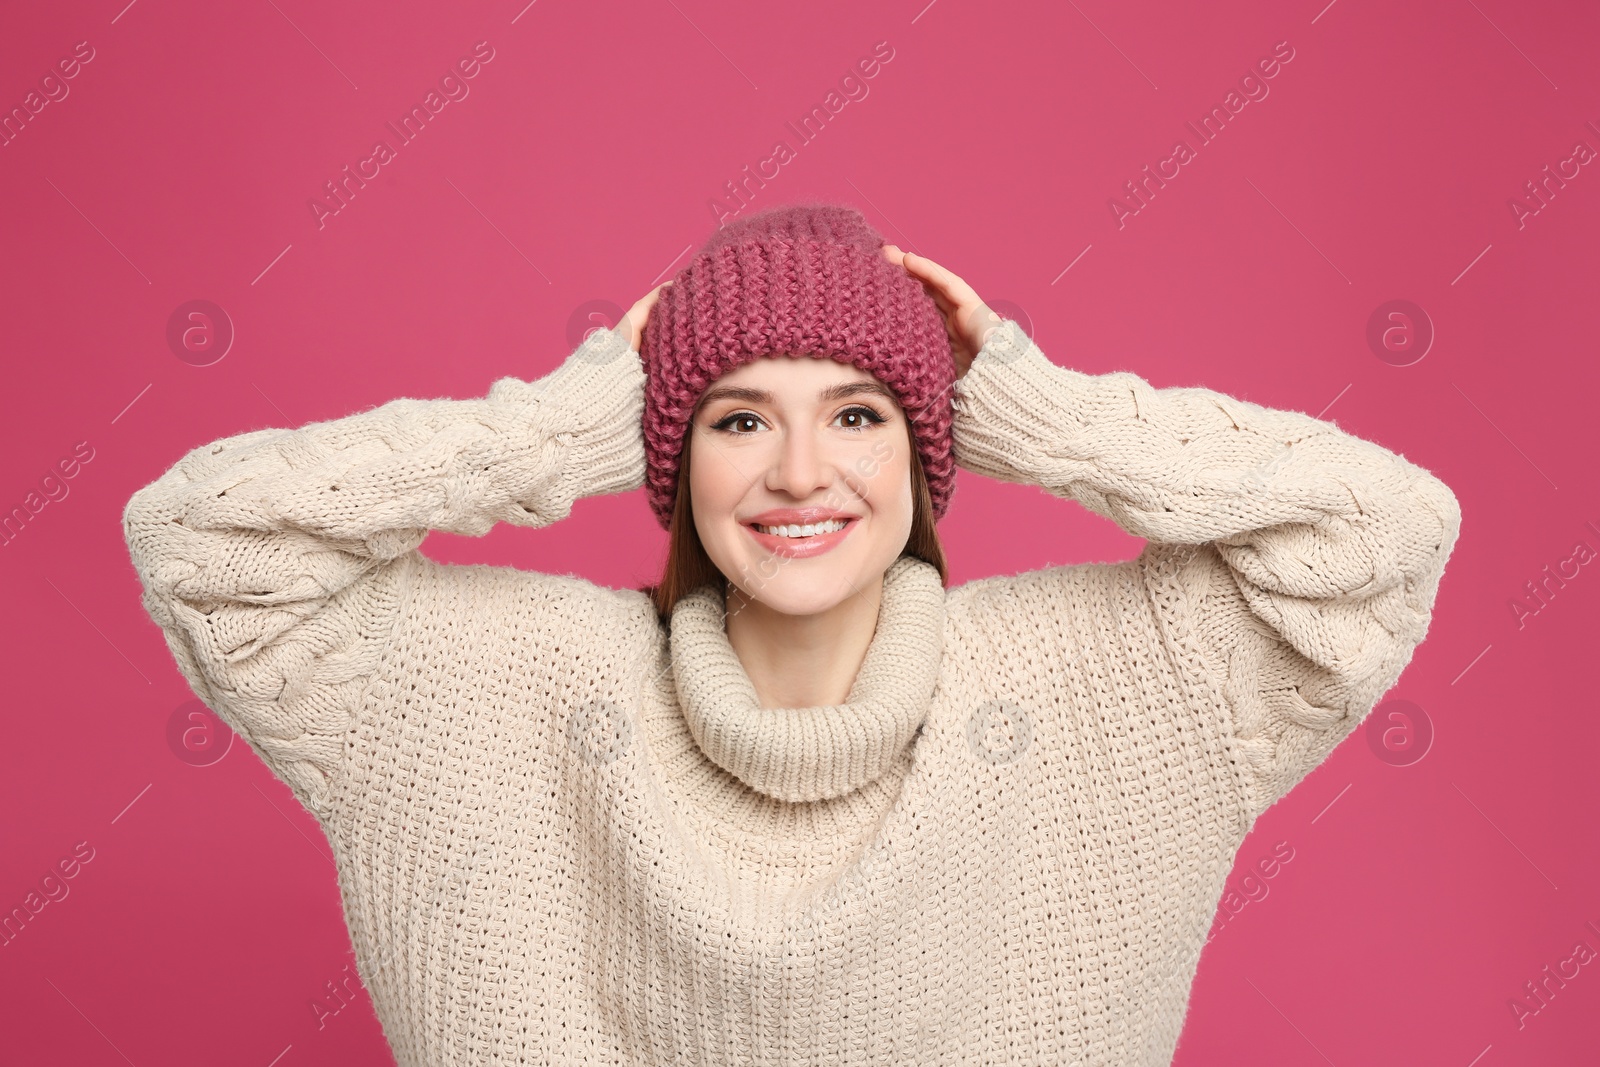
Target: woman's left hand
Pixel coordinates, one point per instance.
(968, 320)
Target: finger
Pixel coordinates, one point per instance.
(920, 265)
(938, 287)
(940, 301)
(921, 269)
(953, 284)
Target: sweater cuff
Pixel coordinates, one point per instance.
(595, 400)
(1012, 406)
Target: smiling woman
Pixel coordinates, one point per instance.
(800, 802)
(801, 488)
(791, 440)
(787, 434)
(808, 418)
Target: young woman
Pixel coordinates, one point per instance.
(798, 803)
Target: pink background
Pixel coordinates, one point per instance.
(581, 167)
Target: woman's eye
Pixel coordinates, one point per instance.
(739, 422)
(742, 422)
(859, 418)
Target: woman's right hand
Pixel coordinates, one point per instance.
(640, 313)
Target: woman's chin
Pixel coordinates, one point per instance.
(802, 586)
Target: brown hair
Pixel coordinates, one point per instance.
(688, 567)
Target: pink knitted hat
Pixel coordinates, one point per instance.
(802, 279)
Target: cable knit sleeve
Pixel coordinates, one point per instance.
(273, 560)
(1293, 566)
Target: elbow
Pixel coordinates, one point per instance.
(1430, 513)
(133, 512)
(1441, 500)
(1435, 529)
(156, 539)
(141, 517)
(135, 518)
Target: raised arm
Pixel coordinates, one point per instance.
(1297, 562)
(272, 560)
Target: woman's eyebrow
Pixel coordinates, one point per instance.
(847, 389)
(760, 396)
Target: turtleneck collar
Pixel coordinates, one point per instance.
(816, 753)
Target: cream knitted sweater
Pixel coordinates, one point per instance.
(567, 833)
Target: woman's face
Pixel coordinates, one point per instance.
(789, 441)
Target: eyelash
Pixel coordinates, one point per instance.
(872, 416)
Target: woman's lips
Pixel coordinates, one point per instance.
(801, 547)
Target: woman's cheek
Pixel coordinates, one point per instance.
(713, 493)
(886, 481)
(880, 456)
(716, 483)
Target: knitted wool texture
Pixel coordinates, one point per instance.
(795, 280)
(559, 823)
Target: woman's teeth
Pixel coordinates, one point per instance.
(810, 530)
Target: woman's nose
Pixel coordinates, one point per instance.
(801, 466)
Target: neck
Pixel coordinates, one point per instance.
(802, 661)
(827, 719)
